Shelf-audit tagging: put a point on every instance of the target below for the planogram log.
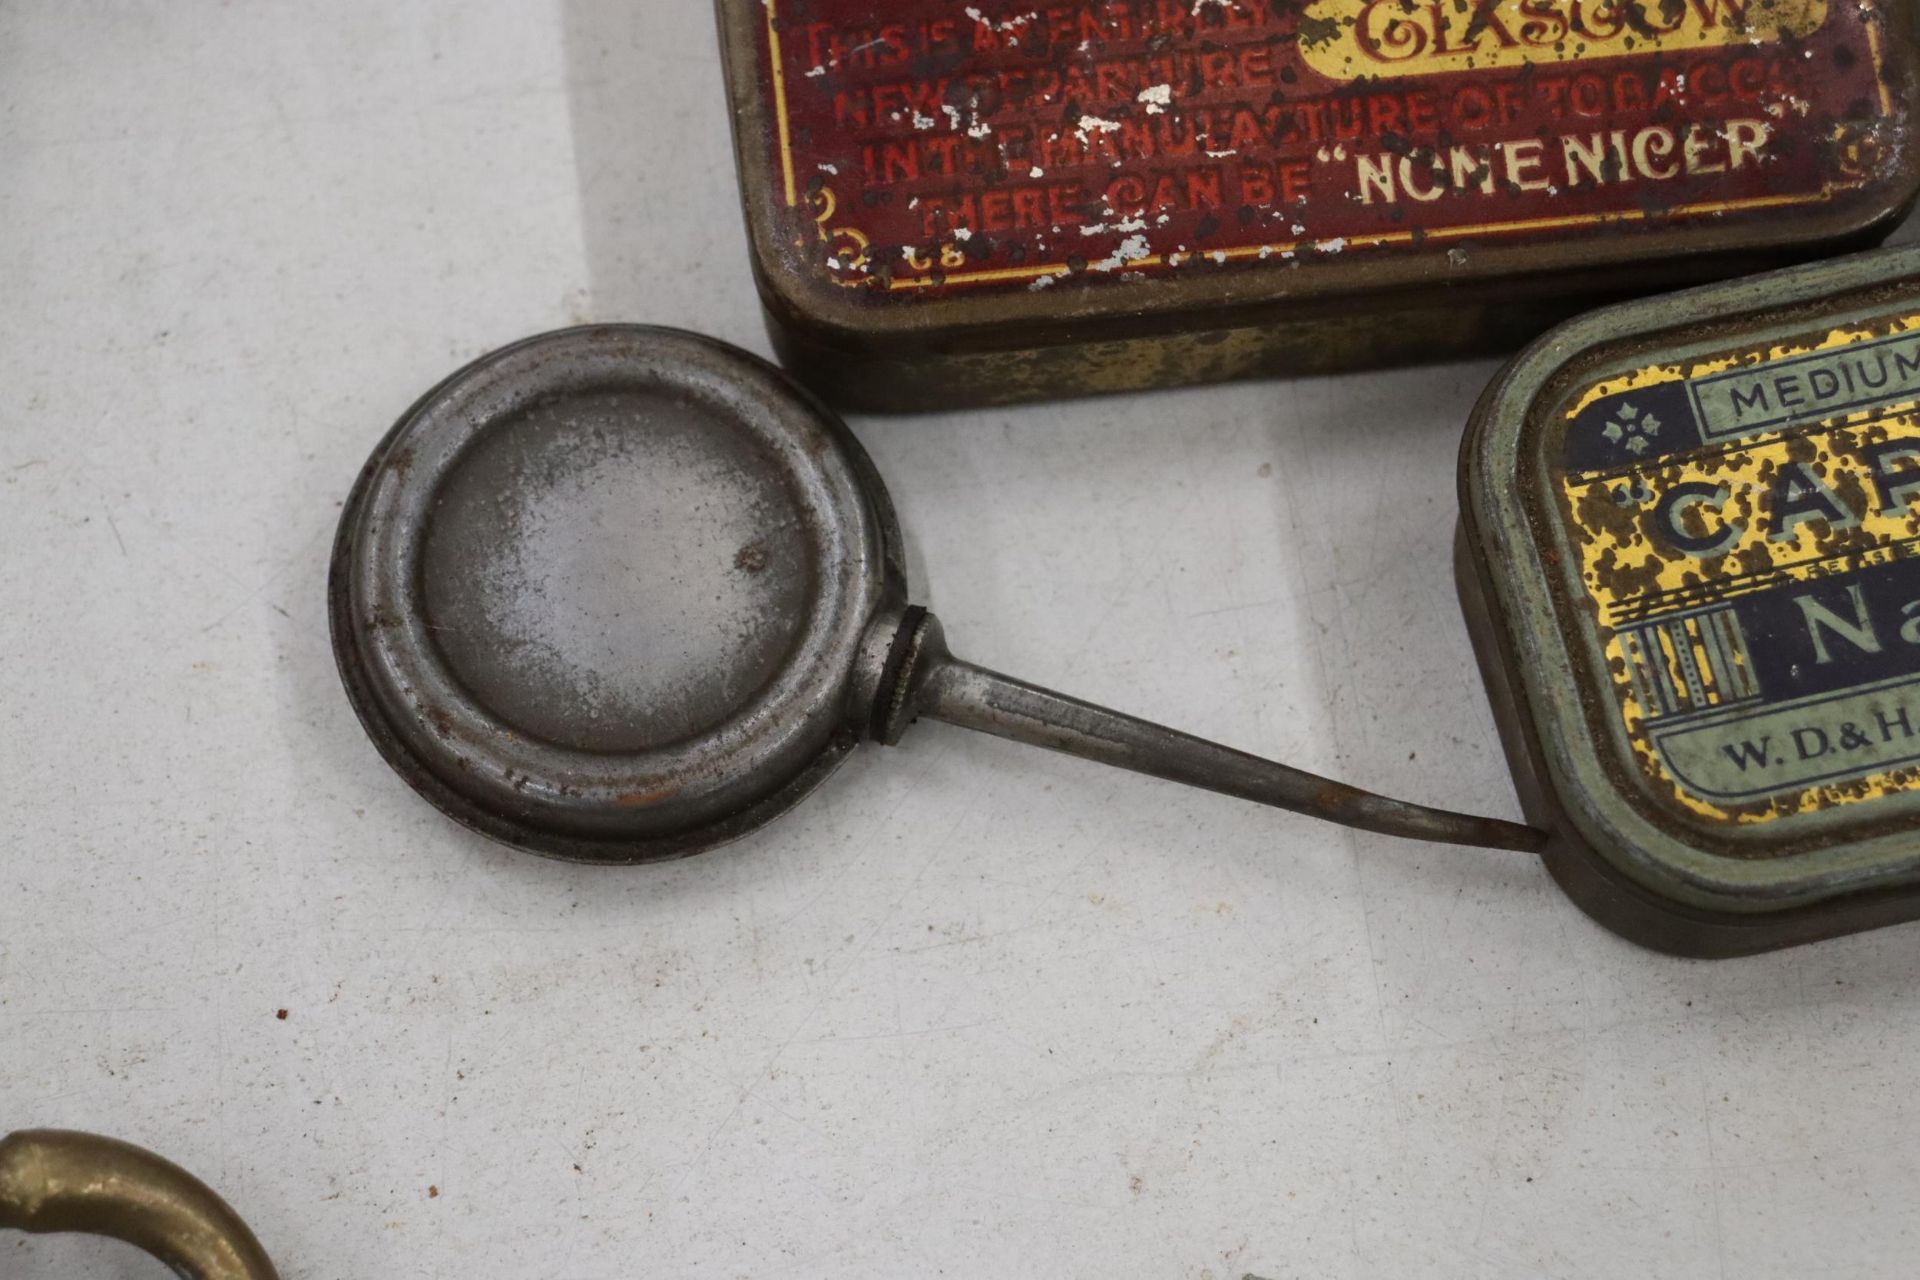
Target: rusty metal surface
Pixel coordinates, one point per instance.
(58, 1181)
(1680, 518)
(979, 204)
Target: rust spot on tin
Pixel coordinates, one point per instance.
(644, 799)
(437, 717)
(751, 558)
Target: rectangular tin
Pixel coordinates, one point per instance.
(957, 203)
(1690, 558)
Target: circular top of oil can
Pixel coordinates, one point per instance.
(601, 594)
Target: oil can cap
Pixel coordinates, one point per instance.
(598, 594)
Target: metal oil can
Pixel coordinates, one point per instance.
(1690, 557)
(960, 203)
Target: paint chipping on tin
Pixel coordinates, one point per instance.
(1179, 118)
(1133, 249)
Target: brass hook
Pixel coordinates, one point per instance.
(52, 1180)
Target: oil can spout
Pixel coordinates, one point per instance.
(927, 680)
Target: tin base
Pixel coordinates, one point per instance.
(887, 380)
(950, 369)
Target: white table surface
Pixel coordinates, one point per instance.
(973, 1010)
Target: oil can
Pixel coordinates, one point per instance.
(1690, 558)
(960, 203)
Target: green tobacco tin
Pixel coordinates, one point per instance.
(956, 203)
(1691, 560)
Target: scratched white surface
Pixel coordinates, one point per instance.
(972, 1010)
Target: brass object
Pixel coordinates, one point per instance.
(53, 1180)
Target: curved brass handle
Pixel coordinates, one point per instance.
(52, 1180)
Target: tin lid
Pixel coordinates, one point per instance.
(1696, 520)
(600, 593)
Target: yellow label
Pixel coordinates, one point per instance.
(1747, 531)
(1347, 39)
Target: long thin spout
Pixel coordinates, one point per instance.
(935, 684)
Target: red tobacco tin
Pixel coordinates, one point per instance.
(965, 202)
